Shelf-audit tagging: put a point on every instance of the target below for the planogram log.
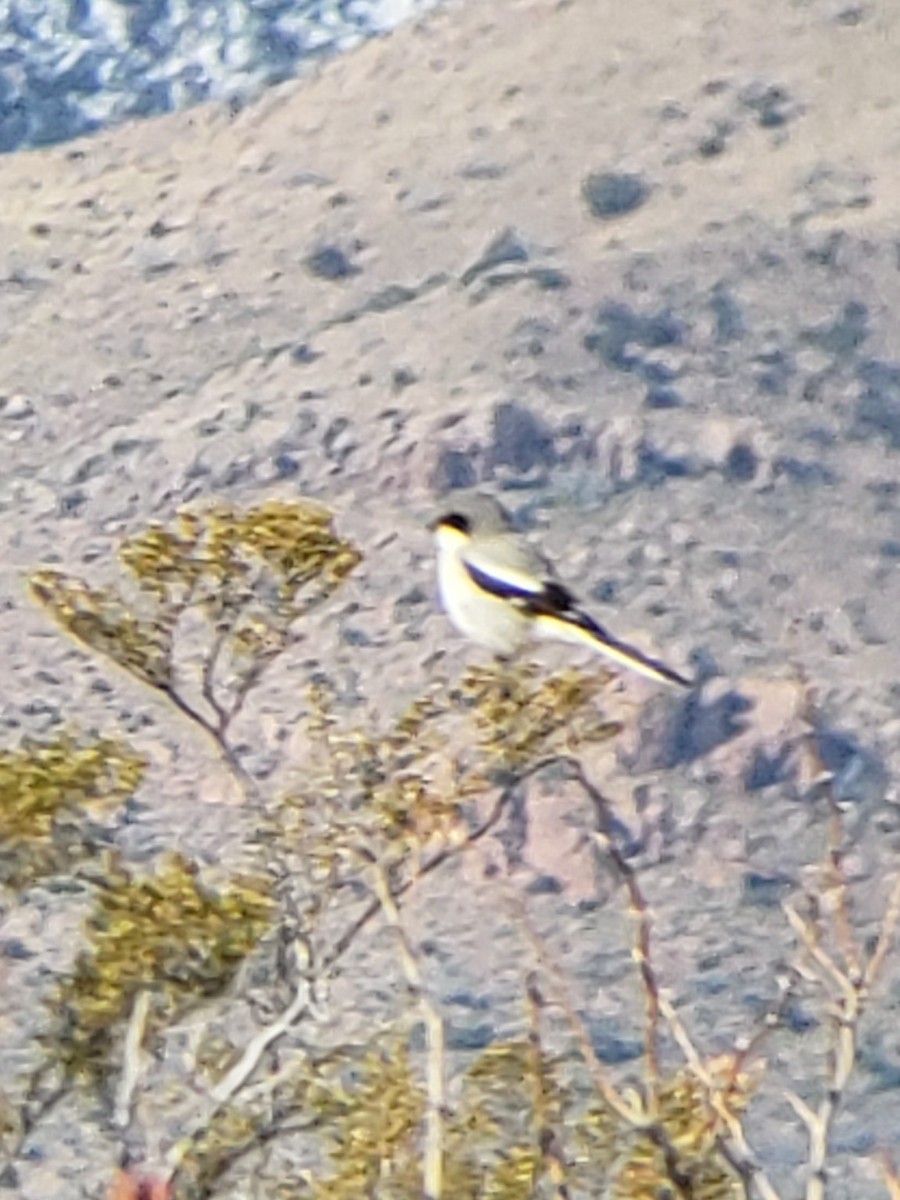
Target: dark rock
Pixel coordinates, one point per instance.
(522, 440)
(662, 397)
(655, 466)
(804, 472)
(617, 328)
(859, 775)
(402, 378)
(610, 1045)
(454, 469)
(716, 141)
(844, 335)
(15, 948)
(483, 170)
(544, 885)
(764, 891)
(729, 319)
(331, 263)
(878, 408)
(286, 466)
(390, 297)
(770, 102)
(473, 1037)
(507, 247)
(610, 194)
(741, 463)
(776, 371)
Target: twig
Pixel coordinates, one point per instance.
(853, 990)
(435, 1105)
(735, 1149)
(891, 1179)
(244, 778)
(208, 686)
(546, 1136)
(257, 1046)
(835, 853)
(886, 935)
(235, 1079)
(132, 1065)
(345, 941)
(641, 949)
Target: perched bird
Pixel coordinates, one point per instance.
(500, 591)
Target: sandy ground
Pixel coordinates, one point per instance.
(635, 265)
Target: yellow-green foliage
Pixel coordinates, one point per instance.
(524, 1121)
(393, 793)
(166, 932)
(373, 792)
(250, 575)
(47, 791)
(638, 1168)
(371, 1124)
(523, 715)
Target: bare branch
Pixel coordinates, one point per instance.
(435, 1107)
(639, 912)
(886, 936)
(735, 1148)
(838, 889)
(132, 1065)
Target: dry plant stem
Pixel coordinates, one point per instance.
(237, 1077)
(257, 1046)
(208, 689)
(347, 938)
(891, 1179)
(849, 1006)
(639, 913)
(301, 1003)
(30, 1113)
(752, 1047)
(435, 1099)
(545, 1135)
(132, 1066)
(837, 879)
(736, 1150)
(247, 782)
(623, 1108)
(636, 1116)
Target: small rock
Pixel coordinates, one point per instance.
(331, 263)
(878, 408)
(507, 247)
(610, 194)
(662, 397)
(845, 334)
(770, 102)
(741, 463)
(18, 407)
(454, 469)
(521, 439)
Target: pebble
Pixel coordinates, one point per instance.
(17, 408)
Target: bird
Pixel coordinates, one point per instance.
(501, 592)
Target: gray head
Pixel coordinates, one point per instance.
(471, 513)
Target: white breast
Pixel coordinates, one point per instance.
(484, 618)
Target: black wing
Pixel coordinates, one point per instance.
(547, 598)
(552, 599)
